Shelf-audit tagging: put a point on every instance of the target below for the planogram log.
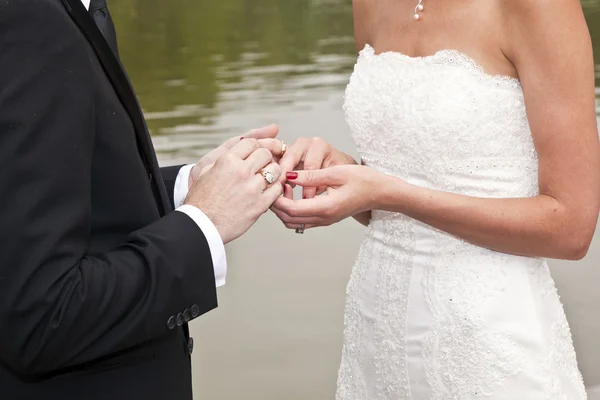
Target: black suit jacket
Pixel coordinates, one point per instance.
(98, 275)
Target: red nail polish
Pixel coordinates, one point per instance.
(305, 197)
(291, 175)
(242, 138)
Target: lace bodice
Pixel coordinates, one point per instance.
(430, 316)
(444, 119)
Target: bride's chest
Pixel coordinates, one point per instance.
(439, 105)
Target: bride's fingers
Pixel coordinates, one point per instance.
(293, 223)
(302, 226)
(313, 159)
(321, 190)
(294, 156)
(311, 211)
(333, 177)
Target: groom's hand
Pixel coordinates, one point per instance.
(233, 193)
(266, 137)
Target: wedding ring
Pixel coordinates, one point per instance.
(300, 230)
(269, 177)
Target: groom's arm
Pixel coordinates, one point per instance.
(176, 180)
(61, 306)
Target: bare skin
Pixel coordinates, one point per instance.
(227, 184)
(547, 46)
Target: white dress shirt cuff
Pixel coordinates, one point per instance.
(215, 243)
(182, 183)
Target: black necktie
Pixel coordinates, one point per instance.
(101, 15)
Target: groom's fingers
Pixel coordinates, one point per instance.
(275, 146)
(271, 194)
(266, 132)
(244, 148)
(259, 159)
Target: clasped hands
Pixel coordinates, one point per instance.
(228, 184)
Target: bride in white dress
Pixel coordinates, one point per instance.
(476, 126)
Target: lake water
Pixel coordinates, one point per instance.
(205, 70)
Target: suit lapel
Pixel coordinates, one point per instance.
(116, 74)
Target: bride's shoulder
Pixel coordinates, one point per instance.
(535, 33)
(364, 13)
(527, 9)
(535, 23)
(539, 35)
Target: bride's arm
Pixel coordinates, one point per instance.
(541, 226)
(553, 56)
(550, 47)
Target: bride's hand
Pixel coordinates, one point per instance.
(351, 189)
(311, 154)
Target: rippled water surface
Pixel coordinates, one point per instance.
(205, 69)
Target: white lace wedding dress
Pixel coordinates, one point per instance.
(430, 316)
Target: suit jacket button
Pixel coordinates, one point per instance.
(187, 315)
(190, 346)
(195, 310)
(171, 323)
(179, 319)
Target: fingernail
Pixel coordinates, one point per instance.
(305, 197)
(242, 138)
(291, 175)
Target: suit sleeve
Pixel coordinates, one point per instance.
(60, 306)
(169, 175)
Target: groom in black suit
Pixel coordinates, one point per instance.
(102, 265)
